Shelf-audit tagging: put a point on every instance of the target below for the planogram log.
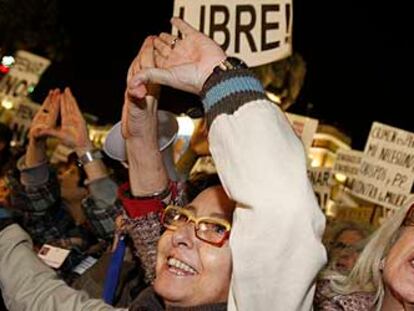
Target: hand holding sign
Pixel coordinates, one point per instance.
(186, 66)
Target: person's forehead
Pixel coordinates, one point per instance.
(350, 234)
(212, 202)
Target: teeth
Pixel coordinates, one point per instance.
(173, 262)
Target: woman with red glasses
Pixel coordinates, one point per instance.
(253, 243)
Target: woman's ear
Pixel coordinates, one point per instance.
(382, 265)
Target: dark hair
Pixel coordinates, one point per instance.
(72, 160)
(199, 182)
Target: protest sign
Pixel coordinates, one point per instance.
(304, 127)
(347, 163)
(23, 76)
(21, 120)
(259, 32)
(361, 214)
(320, 178)
(386, 171)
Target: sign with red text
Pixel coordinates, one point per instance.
(386, 172)
(304, 127)
(258, 32)
(23, 76)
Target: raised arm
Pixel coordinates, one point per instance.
(99, 205)
(276, 236)
(149, 183)
(35, 193)
(147, 173)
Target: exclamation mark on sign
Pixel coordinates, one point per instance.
(288, 12)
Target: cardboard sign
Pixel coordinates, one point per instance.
(320, 178)
(361, 214)
(259, 32)
(23, 76)
(304, 127)
(386, 172)
(347, 162)
(20, 124)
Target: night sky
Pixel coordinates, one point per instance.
(359, 57)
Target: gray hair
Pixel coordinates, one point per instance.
(366, 276)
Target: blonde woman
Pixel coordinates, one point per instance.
(383, 276)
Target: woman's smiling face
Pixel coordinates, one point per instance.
(398, 271)
(190, 271)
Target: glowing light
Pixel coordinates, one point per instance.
(30, 89)
(185, 126)
(273, 97)
(7, 104)
(340, 177)
(331, 209)
(7, 61)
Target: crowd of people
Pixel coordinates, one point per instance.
(248, 238)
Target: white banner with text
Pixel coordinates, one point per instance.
(23, 76)
(386, 171)
(259, 32)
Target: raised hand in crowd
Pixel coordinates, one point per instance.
(37, 185)
(139, 128)
(73, 133)
(184, 63)
(44, 120)
(262, 166)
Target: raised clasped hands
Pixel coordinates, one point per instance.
(46, 117)
(73, 131)
(184, 64)
(139, 114)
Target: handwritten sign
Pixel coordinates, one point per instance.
(320, 178)
(361, 214)
(304, 127)
(259, 32)
(347, 163)
(23, 76)
(20, 124)
(386, 173)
